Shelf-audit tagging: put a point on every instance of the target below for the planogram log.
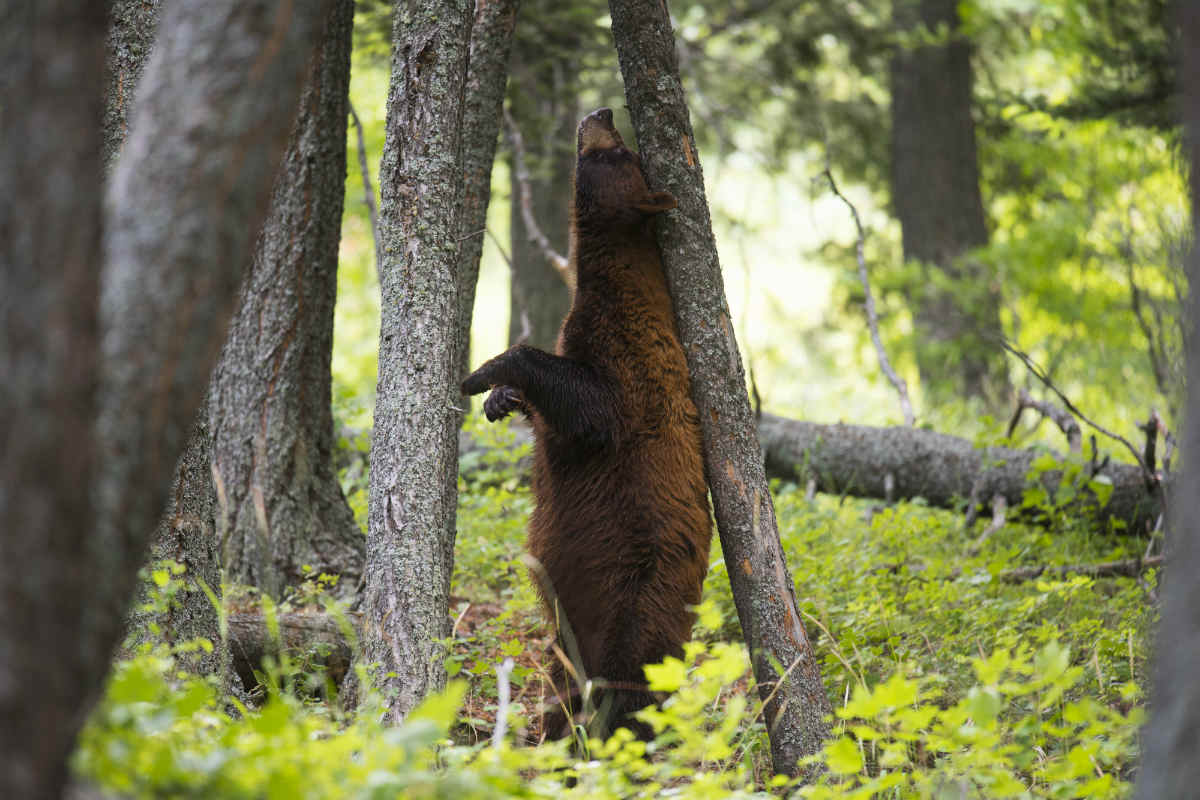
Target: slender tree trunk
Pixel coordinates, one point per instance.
(414, 448)
(51, 103)
(545, 109)
(491, 44)
(185, 534)
(1170, 767)
(784, 665)
(935, 191)
(283, 515)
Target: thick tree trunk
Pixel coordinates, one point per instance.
(902, 463)
(935, 192)
(545, 109)
(414, 453)
(1170, 767)
(784, 665)
(491, 44)
(51, 102)
(282, 509)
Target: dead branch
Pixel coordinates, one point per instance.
(368, 191)
(1065, 422)
(999, 507)
(1049, 384)
(869, 303)
(526, 326)
(308, 637)
(555, 259)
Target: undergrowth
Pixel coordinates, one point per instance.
(947, 681)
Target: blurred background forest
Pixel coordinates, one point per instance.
(1084, 213)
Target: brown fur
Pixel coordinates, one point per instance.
(621, 528)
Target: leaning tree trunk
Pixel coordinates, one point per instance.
(935, 192)
(282, 513)
(1170, 767)
(51, 101)
(414, 448)
(785, 667)
(491, 44)
(545, 110)
(185, 535)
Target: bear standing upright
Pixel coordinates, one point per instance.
(621, 528)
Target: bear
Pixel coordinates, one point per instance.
(621, 528)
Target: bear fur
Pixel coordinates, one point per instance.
(621, 529)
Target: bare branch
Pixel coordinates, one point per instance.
(1065, 421)
(1129, 568)
(556, 259)
(1045, 379)
(368, 191)
(869, 303)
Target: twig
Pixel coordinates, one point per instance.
(1041, 376)
(869, 303)
(368, 191)
(556, 259)
(526, 326)
(999, 507)
(1065, 421)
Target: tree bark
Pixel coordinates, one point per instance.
(491, 45)
(1170, 767)
(51, 102)
(414, 453)
(784, 665)
(935, 192)
(902, 463)
(544, 106)
(282, 515)
(130, 39)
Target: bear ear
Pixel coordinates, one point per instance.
(657, 203)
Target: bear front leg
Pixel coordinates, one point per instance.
(571, 397)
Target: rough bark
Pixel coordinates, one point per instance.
(796, 704)
(546, 111)
(186, 535)
(271, 424)
(935, 193)
(51, 103)
(1170, 767)
(491, 45)
(414, 453)
(901, 463)
(130, 39)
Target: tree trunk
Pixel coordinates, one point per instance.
(282, 514)
(935, 192)
(546, 111)
(51, 102)
(130, 38)
(784, 665)
(902, 463)
(185, 534)
(491, 44)
(414, 453)
(1170, 767)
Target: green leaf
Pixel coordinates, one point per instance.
(843, 757)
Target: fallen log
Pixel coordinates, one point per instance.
(902, 463)
(308, 638)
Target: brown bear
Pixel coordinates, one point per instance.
(621, 528)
